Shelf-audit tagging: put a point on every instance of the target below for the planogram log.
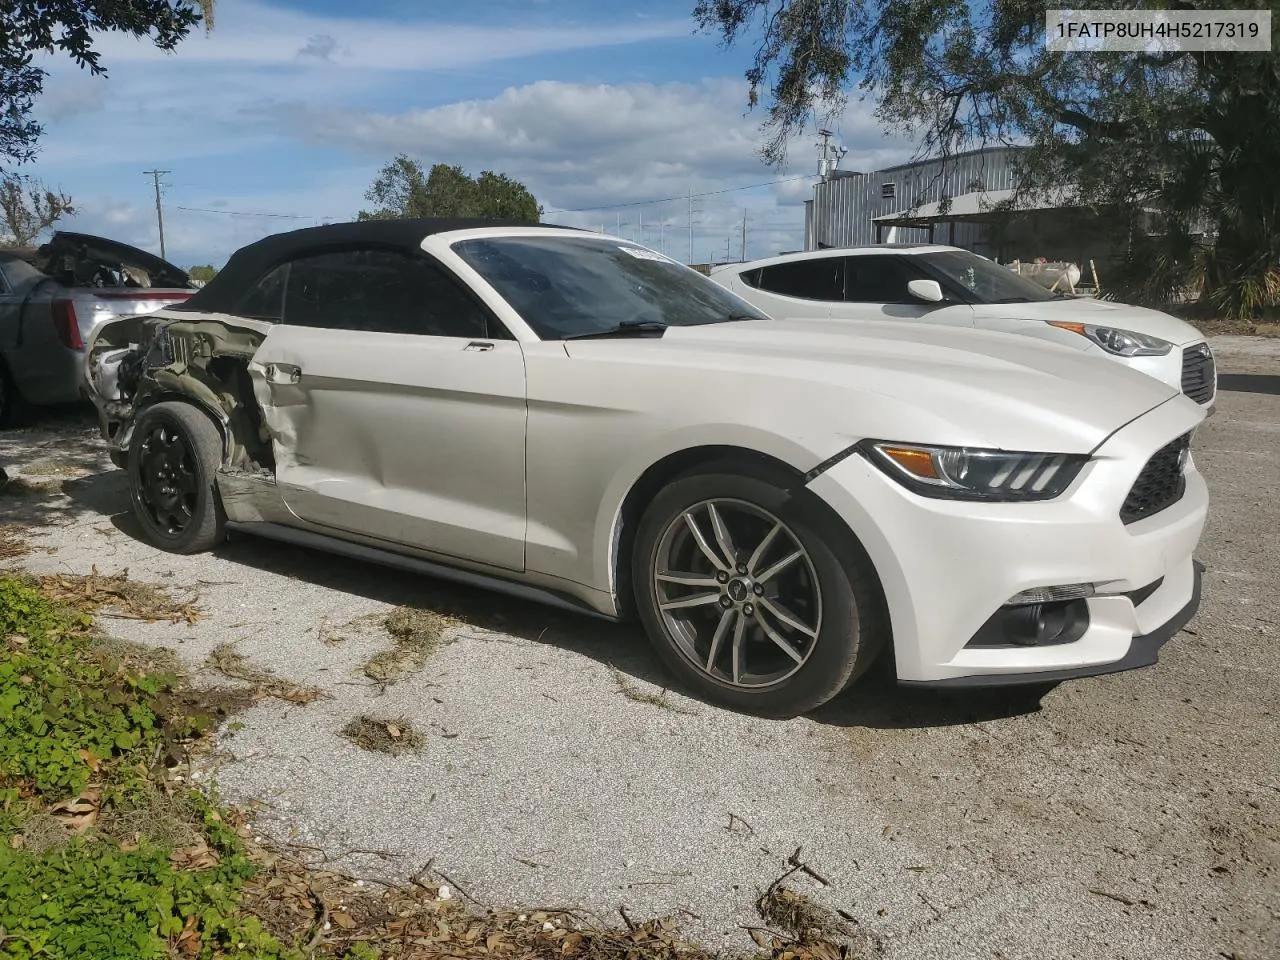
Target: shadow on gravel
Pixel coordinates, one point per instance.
(1266, 383)
(877, 701)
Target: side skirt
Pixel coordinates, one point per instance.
(388, 558)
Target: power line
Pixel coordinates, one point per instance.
(683, 196)
(244, 213)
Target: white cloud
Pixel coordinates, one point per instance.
(588, 146)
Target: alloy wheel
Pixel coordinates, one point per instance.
(737, 592)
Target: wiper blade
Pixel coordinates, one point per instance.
(1012, 300)
(627, 328)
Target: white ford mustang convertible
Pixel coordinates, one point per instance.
(578, 419)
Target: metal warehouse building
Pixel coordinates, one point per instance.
(902, 204)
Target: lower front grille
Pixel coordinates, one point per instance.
(1198, 373)
(1160, 484)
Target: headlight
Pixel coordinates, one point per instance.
(962, 473)
(1120, 343)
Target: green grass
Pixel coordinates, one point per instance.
(78, 724)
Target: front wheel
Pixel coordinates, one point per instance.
(746, 601)
(173, 461)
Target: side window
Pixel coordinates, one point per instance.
(816, 279)
(265, 299)
(877, 280)
(381, 291)
(751, 277)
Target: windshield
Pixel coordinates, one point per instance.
(986, 281)
(575, 286)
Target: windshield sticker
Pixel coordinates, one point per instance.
(640, 253)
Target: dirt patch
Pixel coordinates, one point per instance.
(150, 659)
(49, 467)
(654, 698)
(121, 597)
(13, 541)
(23, 487)
(417, 634)
(1236, 328)
(230, 662)
(393, 737)
(162, 817)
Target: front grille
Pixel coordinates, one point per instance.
(1160, 484)
(1197, 373)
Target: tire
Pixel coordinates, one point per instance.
(830, 590)
(173, 460)
(14, 409)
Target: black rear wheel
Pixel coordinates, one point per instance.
(173, 460)
(13, 406)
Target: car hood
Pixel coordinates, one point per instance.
(942, 384)
(1103, 313)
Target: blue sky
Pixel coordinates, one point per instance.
(282, 116)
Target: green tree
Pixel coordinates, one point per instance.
(203, 273)
(402, 189)
(1178, 150)
(28, 27)
(28, 208)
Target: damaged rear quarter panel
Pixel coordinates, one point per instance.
(139, 361)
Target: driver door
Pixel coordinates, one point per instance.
(396, 407)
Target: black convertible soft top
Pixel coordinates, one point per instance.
(224, 292)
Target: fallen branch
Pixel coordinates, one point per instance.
(803, 867)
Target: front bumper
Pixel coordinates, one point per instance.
(946, 567)
(1144, 651)
(1180, 368)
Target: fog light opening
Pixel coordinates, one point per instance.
(1035, 625)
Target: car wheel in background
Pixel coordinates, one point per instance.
(173, 459)
(13, 406)
(746, 601)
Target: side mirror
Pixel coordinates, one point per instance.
(930, 291)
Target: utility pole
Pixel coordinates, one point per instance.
(618, 232)
(640, 227)
(691, 225)
(744, 236)
(156, 175)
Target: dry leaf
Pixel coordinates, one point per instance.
(79, 814)
(393, 731)
(344, 920)
(198, 856)
(90, 760)
(189, 938)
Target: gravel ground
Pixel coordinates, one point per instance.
(1135, 816)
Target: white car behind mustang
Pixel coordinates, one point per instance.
(928, 284)
(579, 419)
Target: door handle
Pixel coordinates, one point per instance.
(478, 346)
(283, 373)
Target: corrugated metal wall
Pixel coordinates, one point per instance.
(841, 211)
